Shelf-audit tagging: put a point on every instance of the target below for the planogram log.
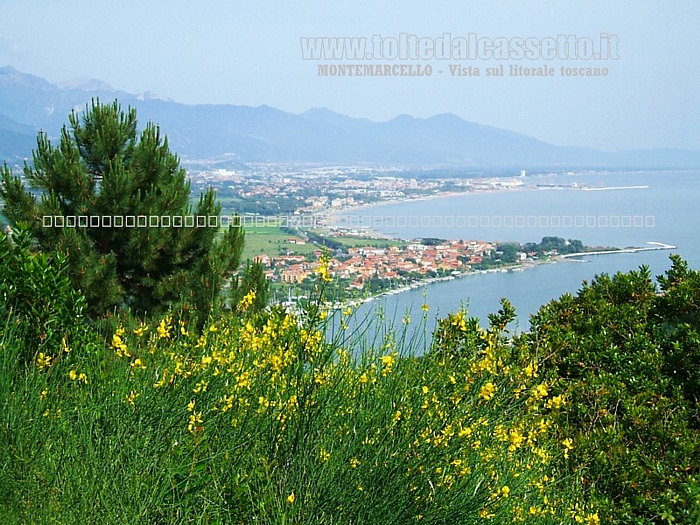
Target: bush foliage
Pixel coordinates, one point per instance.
(626, 357)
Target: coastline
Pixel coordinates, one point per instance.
(334, 218)
(517, 267)
(331, 217)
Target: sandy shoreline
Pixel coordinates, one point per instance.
(332, 217)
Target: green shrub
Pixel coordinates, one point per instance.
(614, 353)
(36, 294)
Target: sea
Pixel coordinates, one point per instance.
(611, 209)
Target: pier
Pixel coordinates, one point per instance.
(655, 246)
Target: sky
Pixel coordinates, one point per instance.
(245, 53)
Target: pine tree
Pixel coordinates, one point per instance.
(152, 249)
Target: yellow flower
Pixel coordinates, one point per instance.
(541, 391)
(516, 439)
(164, 329)
(354, 463)
(592, 519)
(138, 364)
(119, 345)
(43, 361)
(195, 422)
(465, 432)
(131, 397)
(82, 377)
(531, 370)
(43, 394)
(227, 403)
(459, 321)
(140, 330)
(324, 455)
(190, 406)
(247, 300)
(505, 491)
(323, 269)
(568, 445)
(291, 498)
(536, 511)
(388, 362)
(425, 307)
(556, 402)
(73, 375)
(487, 391)
(162, 380)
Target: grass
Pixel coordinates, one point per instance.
(261, 419)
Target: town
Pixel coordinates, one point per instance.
(361, 267)
(287, 189)
(394, 264)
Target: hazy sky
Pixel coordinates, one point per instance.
(223, 51)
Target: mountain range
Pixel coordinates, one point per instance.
(264, 134)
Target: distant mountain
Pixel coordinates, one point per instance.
(85, 84)
(266, 134)
(16, 140)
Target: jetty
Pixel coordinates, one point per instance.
(654, 246)
(606, 188)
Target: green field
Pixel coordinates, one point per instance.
(272, 241)
(352, 242)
